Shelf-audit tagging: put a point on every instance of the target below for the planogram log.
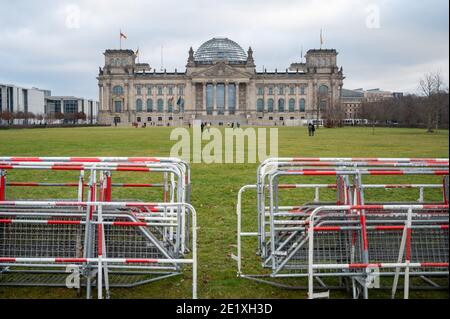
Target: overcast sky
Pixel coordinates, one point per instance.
(58, 45)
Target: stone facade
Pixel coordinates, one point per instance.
(220, 85)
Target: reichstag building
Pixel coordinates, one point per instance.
(220, 85)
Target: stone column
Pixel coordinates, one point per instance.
(247, 97)
(203, 108)
(315, 103)
(275, 98)
(214, 97)
(286, 89)
(332, 94)
(226, 98)
(237, 108)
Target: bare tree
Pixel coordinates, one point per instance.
(431, 86)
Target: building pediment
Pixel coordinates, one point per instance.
(220, 70)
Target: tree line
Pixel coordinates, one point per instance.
(9, 117)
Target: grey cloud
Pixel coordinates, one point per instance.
(37, 48)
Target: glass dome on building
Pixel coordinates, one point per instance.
(220, 49)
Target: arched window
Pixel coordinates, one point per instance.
(323, 89)
(291, 105)
(281, 105)
(149, 105)
(260, 105)
(270, 105)
(302, 105)
(170, 105)
(138, 105)
(160, 105)
(118, 90)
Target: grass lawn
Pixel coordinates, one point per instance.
(214, 191)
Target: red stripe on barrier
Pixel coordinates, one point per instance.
(2, 187)
(431, 206)
(141, 261)
(6, 166)
(439, 172)
(5, 221)
(444, 226)
(408, 244)
(26, 159)
(31, 184)
(7, 260)
(352, 266)
(434, 264)
(70, 260)
(286, 186)
(327, 228)
(108, 190)
(100, 239)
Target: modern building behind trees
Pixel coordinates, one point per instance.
(19, 105)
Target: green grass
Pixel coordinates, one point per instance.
(214, 190)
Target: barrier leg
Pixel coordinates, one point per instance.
(2, 185)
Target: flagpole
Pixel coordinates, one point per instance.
(120, 39)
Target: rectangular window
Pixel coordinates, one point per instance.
(138, 90)
(71, 106)
(138, 119)
(180, 90)
(149, 119)
(220, 98)
(209, 99)
(260, 90)
(149, 90)
(231, 98)
(292, 90)
(281, 90)
(170, 90)
(159, 118)
(302, 90)
(117, 106)
(160, 90)
(270, 90)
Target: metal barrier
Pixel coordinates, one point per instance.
(101, 240)
(282, 228)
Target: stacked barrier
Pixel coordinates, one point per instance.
(97, 240)
(354, 238)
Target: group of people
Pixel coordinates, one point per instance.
(207, 125)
